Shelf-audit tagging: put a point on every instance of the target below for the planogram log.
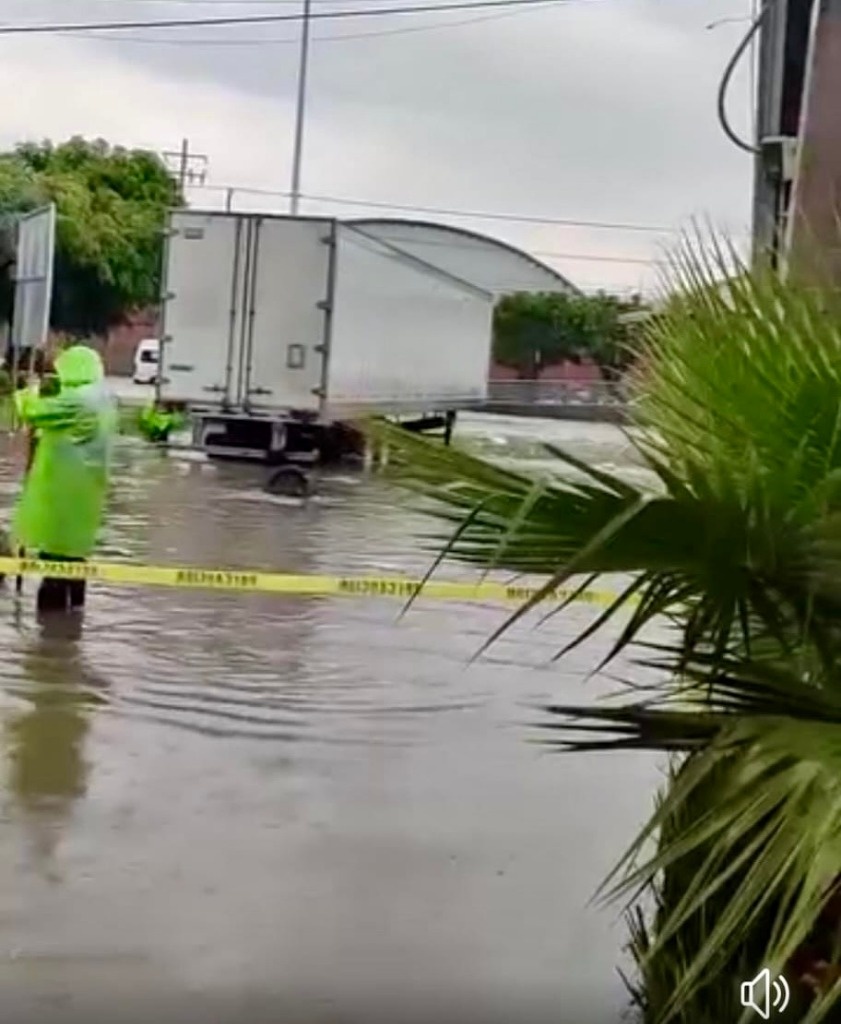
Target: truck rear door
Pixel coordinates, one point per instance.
(288, 311)
(205, 270)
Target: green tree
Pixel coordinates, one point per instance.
(533, 330)
(525, 335)
(111, 204)
(616, 333)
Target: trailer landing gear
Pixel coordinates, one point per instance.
(428, 424)
(449, 424)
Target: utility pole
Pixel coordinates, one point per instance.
(300, 111)
(187, 167)
(783, 46)
(797, 196)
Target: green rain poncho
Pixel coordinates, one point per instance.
(156, 424)
(60, 509)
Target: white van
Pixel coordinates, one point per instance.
(146, 358)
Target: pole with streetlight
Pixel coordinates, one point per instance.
(300, 111)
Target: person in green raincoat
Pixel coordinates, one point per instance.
(61, 507)
(156, 423)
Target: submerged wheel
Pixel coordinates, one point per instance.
(289, 482)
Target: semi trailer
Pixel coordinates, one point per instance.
(277, 329)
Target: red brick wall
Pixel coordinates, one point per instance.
(584, 372)
(122, 340)
(118, 345)
(500, 372)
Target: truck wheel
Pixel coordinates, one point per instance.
(289, 482)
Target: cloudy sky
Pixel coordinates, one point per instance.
(585, 110)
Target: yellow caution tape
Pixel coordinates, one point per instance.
(245, 581)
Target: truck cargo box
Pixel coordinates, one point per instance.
(268, 315)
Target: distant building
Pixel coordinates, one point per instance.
(488, 263)
(119, 345)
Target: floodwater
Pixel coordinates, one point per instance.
(222, 807)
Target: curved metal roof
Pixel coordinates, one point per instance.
(527, 273)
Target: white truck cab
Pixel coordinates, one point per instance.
(146, 361)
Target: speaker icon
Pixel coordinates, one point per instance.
(764, 994)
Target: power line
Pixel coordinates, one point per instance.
(245, 3)
(225, 3)
(437, 243)
(152, 41)
(261, 3)
(271, 19)
(598, 259)
(724, 84)
(445, 212)
(550, 254)
(280, 3)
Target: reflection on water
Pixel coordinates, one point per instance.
(302, 801)
(45, 740)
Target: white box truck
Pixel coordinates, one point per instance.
(276, 327)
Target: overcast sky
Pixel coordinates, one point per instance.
(595, 110)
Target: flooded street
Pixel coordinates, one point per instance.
(301, 809)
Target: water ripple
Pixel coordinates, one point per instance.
(254, 785)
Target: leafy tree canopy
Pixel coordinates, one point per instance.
(111, 204)
(532, 330)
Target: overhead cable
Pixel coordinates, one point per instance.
(53, 28)
(290, 41)
(724, 85)
(447, 212)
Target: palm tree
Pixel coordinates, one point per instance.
(738, 547)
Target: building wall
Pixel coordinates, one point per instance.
(585, 372)
(122, 340)
(117, 347)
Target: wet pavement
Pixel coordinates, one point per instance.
(300, 809)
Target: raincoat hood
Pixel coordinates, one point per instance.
(79, 365)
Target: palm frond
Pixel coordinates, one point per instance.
(737, 543)
(692, 546)
(748, 831)
(740, 424)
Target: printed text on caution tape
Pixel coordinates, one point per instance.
(288, 583)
